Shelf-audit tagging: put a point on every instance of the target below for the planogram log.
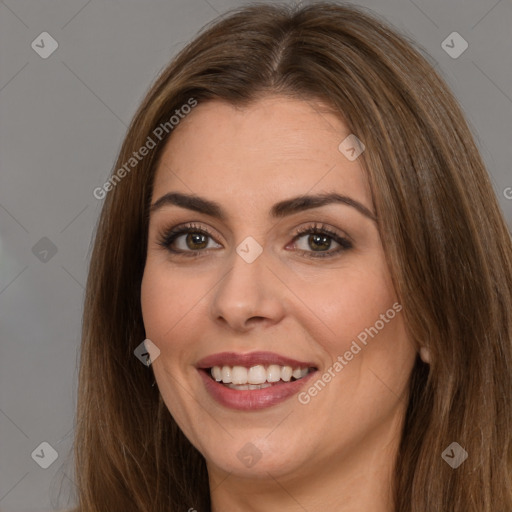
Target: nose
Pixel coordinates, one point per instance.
(248, 295)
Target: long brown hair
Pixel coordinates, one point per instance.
(446, 242)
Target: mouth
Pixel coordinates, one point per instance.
(256, 377)
(253, 381)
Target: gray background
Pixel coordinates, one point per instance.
(62, 120)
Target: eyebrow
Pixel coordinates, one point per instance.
(279, 210)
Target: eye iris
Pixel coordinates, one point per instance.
(318, 241)
(196, 241)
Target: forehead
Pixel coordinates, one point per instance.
(274, 148)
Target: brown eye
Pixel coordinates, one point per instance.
(319, 242)
(196, 241)
(188, 239)
(316, 242)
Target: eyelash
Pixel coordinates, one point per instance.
(167, 238)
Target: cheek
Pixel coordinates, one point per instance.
(347, 301)
(167, 298)
(153, 299)
(166, 307)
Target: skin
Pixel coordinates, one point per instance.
(336, 452)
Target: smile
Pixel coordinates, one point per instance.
(253, 381)
(256, 377)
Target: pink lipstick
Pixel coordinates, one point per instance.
(255, 380)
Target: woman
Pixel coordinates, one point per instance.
(301, 230)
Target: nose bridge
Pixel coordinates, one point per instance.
(248, 289)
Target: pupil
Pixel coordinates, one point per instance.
(196, 239)
(319, 241)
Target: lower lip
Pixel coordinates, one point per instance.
(252, 399)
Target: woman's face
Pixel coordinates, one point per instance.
(279, 288)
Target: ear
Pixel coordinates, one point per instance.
(425, 355)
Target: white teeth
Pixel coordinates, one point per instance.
(245, 387)
(259, 386)
(257, 374)
(297, 373)
(273, 373)
(226, 374)
(217, 373)
(286, 373)
(239, 375)
(255, 377)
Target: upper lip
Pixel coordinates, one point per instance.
(250, 359)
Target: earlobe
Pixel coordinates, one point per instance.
(425, 355)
